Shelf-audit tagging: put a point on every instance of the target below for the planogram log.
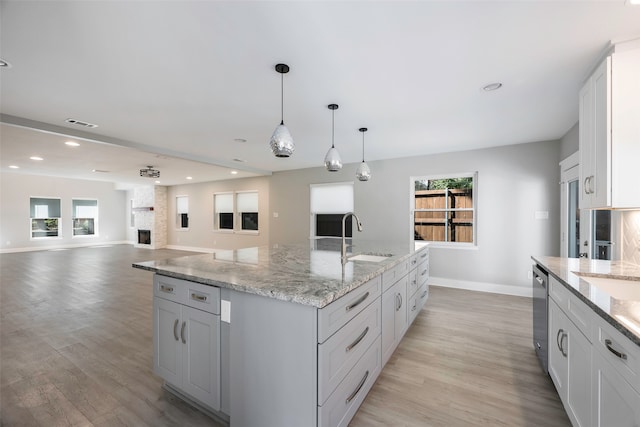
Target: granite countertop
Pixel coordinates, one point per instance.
(308, 273)
(581, 276)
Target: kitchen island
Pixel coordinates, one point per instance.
(594, 339)
(292, 336)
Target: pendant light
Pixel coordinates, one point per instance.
(332, 160)
(281, 141)
(363, 173)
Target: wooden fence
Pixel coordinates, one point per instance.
(444, 225)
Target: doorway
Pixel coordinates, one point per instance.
(571, 227)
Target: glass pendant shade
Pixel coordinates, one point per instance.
(281, 142)
(332, 160)
(363, 173)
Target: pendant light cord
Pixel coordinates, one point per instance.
(333, 129)
(362, 147)
(281, 98)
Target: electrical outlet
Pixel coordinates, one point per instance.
(529, 274)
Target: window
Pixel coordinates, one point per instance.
(85, 217)
(223, 209)
(247, 207)
(182, 212)
(45, 217)
(329, 203)
(242, 203)
(444, 209)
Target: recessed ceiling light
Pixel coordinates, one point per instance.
(14, 167)
(99, 171)
(492, 86)
(240, 140)
(189, 177)
(36, 158)
(240, 160)
(633, 2)
(4, 64)
(72, 144)
(157, 182)
(81, 123)
(234, 172)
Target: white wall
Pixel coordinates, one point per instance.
(570, 142)
(513, 183)
(201, 235)
(15, 225)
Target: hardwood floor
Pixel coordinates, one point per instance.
(76, 350)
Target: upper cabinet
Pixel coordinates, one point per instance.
(610, 131)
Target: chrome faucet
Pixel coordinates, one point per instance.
(343, 248)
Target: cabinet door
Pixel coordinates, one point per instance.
(167, 347)
(586, 143)
(601, 151)
(200, 335)
(401, 305)
(615, 403)
(578, 398)
(388, 324)
(558, 363)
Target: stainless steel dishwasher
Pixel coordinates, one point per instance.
(540, 302)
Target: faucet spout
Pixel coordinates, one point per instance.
(343, 248)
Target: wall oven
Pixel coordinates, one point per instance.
(540, 301)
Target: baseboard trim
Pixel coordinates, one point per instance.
(64, 246)
(494, 288)
(190, 249)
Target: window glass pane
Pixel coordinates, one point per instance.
(225, 221)
(332, 198)
(83, 227)
(331, 225)
(46, 208)
(41, 227)
(182, 204)
(249, 220)
(223, 203)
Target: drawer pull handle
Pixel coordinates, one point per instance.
(358, 302)
(198, 297)
(184, 341)
(424, 255)
(357, 390)
(175, 330)
(424, 294)
(423, 272)
(565, 352)
(608, 343)
(414, 261)
(357, 341)
(414, 307)
(398, 301)
(415, 281)
(560, 332)
(168, 289)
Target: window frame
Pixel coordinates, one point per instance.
(94, 218)
(178, 223)
(58, 219)
(236, 214)
(474, 210)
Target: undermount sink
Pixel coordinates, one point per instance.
(369, 258)
(617, 288)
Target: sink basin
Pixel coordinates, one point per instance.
(369, 258)
(617, 288)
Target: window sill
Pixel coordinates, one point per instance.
(84, 236)
(223, 231)
(249, 232)
(443, 245)
(182, 229)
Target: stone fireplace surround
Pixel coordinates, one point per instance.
(150, 212)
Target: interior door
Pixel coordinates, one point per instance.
(571, 221)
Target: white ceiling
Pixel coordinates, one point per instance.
(170, 80)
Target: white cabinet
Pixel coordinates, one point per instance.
(394, 317)
(186, 340)
(609, 128)
(569, 359)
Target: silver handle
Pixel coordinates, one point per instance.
(175, 330)
(423, 272)
(565, 352)
(198, 297)
(591, 190)
(424, 294)
(398, 302)
(608, 343)
(414, 307)
(560, 331)
(357, 390)
(358, 302)
(168, 289)
(539, 280)
(424, 255)
(414, 281)
(357, 341)
(184, 341)
(584, 186)
(414, 261)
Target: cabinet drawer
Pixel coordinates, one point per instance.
(340, 353)
(619, 351)
(390, 277)
(338, 313)
(346, 399)
(196, 295)
(579, 313)
(413, 282)
(423, 255)
(422, 272)
(413, 261)
(417, 301)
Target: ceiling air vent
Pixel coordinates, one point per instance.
(150, 172)
(81, 123)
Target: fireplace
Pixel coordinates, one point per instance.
(144, 237)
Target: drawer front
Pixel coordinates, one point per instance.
(422, 272)
(423, 255)
(169, 288)
(340, 353)
(203, 297)
(338, 313)
(413, 261)
(342, 405)
(413, 282)
(418, 301)
(620, 351)
(575, 309)
(390, 277)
